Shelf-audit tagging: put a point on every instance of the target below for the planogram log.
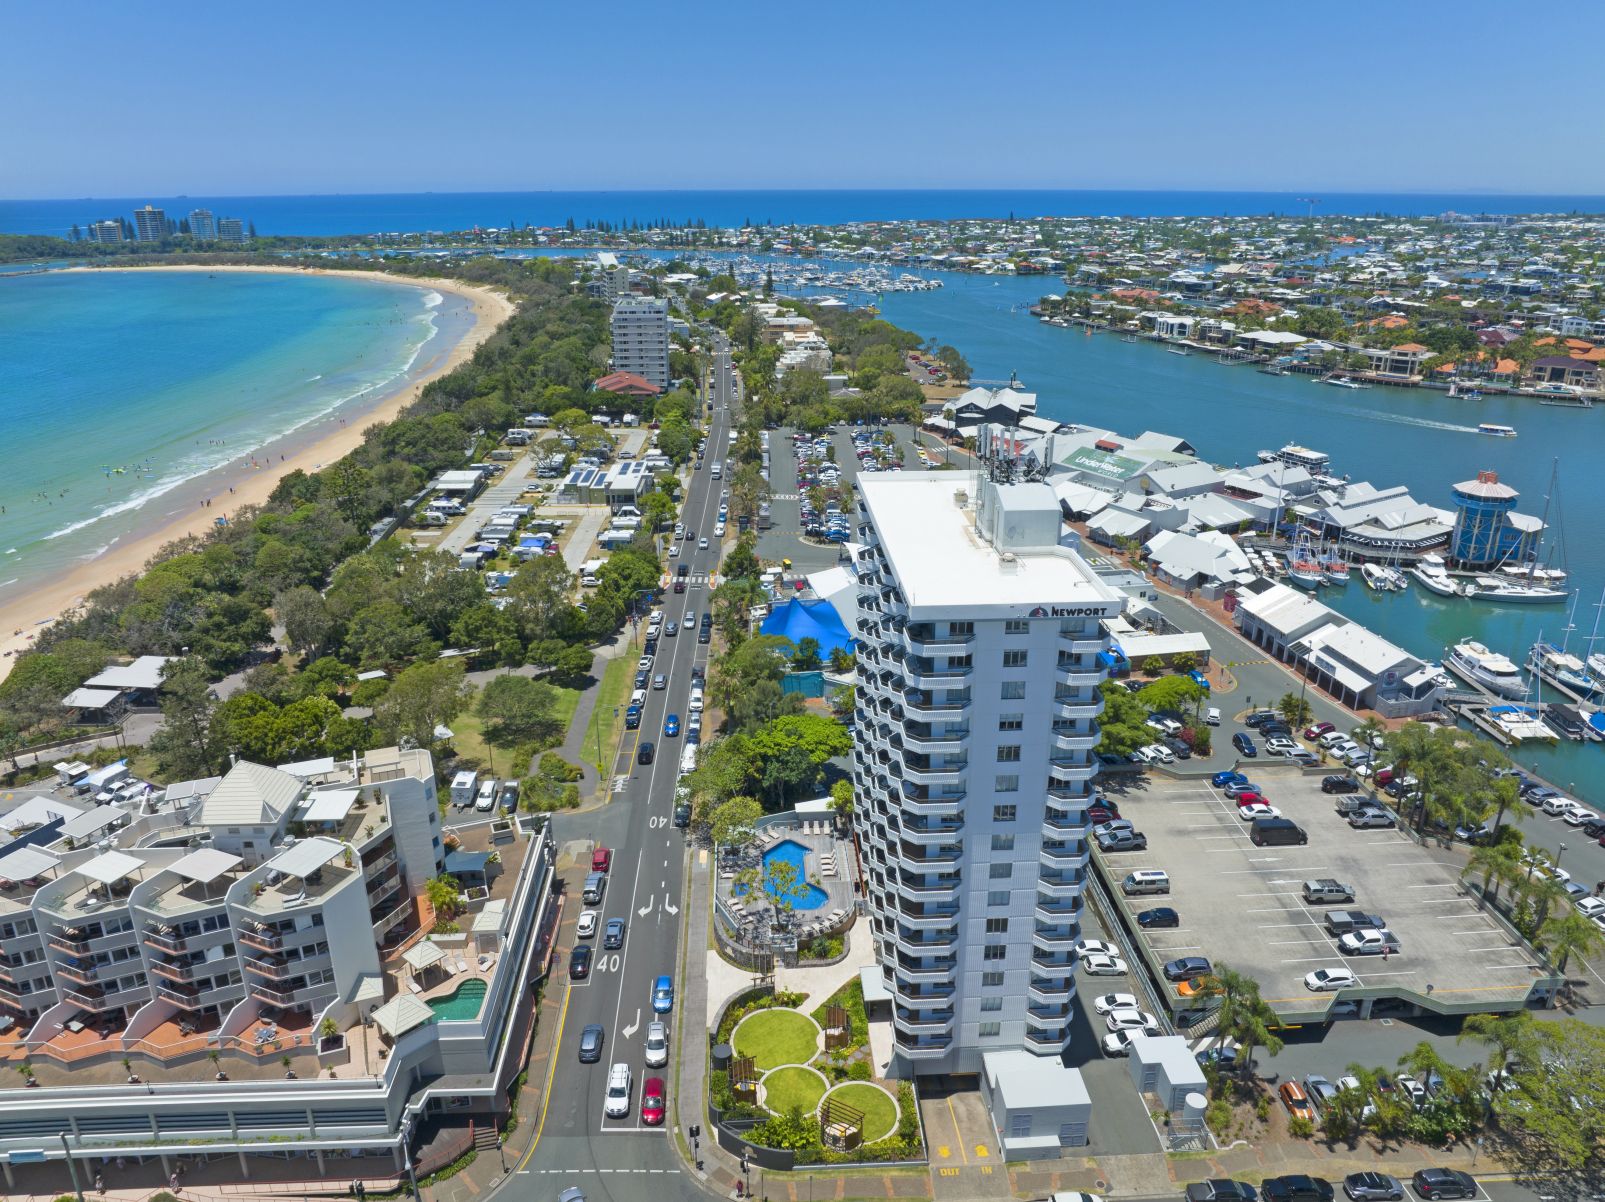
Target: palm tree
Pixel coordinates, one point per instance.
(1499, 864)
(1537, 896)
(1571, 934)
(1369, 729)
(1506, 1036)
(1244, 1015)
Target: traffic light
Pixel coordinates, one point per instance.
(696, 1131)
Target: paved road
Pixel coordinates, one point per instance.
(619, 1159)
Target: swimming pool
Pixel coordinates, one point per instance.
(463, 1002)
(789, 851)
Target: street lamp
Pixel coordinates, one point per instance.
(71, 1167)
(1560, 850)
(406, 1153)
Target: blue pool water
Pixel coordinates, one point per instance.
(789, 851)
(462, 1003)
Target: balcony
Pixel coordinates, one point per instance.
(921, 737)
(940, 888)
(1078, 672)
(272, 970)
(1048, 1015)
(69, 940)
(916, 994)
(263, 939)
(1052, 909)
(1069, 775)
(916, 1047)
(914, 1020)
(925, 830)
(1058, 822)
(1072, 738)
(1063, 957)
(182, 973)
(1083, 644)
(1062, 884)
(915, 943)
(289, 999)
(922, 801)
(923, 857)
(921, 771)
(936, 967)
(920, 638)
(1055, 939)
(81, 973)
(1048, 1039)
(7, 964)
(92, 1000)
(168, 941)
(924, 705)
(1050, 991)
(1064, 857)
(923, 674)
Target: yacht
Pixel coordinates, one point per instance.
(1303, 568)
(1495, 430)
(1532, 574)
(1431, 574)
(1514, 592)
(1559, 667)
(1342, 382)
(1473, 662)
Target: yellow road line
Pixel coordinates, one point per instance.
(551, 1072)
(954, 1115)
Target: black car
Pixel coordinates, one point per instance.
(1188, 968)
(1260, 717)
(697, 676)
(1244, 742)
(682, 815)
(632, 718)
(650, 648)
(1296, 1187)
(643, 754)
(1221, 1190)
(1179, 749)
(1159, 916)
(641, 678)
(1339, 784)
(613, 934)
(1444, 1183)
(591, 1040)
(1372, 1187)
(705, 635)
(579, 962)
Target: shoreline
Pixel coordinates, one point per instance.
(244, 480)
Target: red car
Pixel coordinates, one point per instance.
(1102, 811)
(1251, 799)
(1319, 729)
(601, 859)
(653, 1104)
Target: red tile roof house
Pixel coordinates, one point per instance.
(625, 383)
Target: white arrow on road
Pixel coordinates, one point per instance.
(647, 909)
(670, 906)
(635, 1026)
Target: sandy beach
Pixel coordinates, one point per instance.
(251, 482)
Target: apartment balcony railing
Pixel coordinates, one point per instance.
(75, 945)
(1065, 884)
(920, 639)
(92, 1000)
(81, 973)
(1047, 1037)
(1045, 1014)
(929, 676)
(917, 1046)
(1064, 857)
(917, 943)
(1051, 909)
(1082, 644)
(170, 942)
(923, 829)
(1050, 991)
(924, 705)
(1078, 675)
(936, 967)
(930, 991)
(922, 738)
(914, 1020)
(264, 940)
(921, 857)
(182, 973)
(1083, 739)
(919, 800)
(273, 971)
(1055, 939)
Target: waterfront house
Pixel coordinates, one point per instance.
(1403, 360)
(1566, 369)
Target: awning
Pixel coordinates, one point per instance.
(112, 867)
(329, 805)
(306, 857)
(90, 699)
(470, 862)
(491, 918)
(874, 985)
(423, 955)
(205, 865)
(401, 1014)
(26, 862)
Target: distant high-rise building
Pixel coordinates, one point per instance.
(202, 224)
(150, 224)
(641, 339)
(105, 231)
(614, 276)
(230, 229)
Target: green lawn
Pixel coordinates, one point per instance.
(793, 1086)
(880, 1112)
(604, 729)
(776, 1037)
(468, 735)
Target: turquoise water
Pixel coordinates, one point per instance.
(463, 1003)
(119, 388)
(789, 851)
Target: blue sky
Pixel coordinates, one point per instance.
(350, 96)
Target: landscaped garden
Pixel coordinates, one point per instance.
(792, 1086)
(776, 1037)
(880, 1112)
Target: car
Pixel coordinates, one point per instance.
(679, 530)
(1327, 980)
(1443, 1183)
(1256, 809)
(1333, 738)
(591, 1040)
(702, 544)
(1239, 788)
(1591, 907)
(670, 630)
(1296, 1100)
(613, 934)
(1339, 784)
(601, 859)
(1187, 968)
(657, 1045)
(579, 962)
(1369, 943)
(1179, 749)
(1304, 757)
(1411, 1089)
(617, 1103)
(1115, 1001)
(642, 678)
(1131, 1020)
(1296, 1187)
(586, 927)
(644, 753)
(682, 815)
(674, 550)
(1350, 1083)
(632, 718)
(1123, 841)
(1103, 966)
(1212, 716)
(1245, 745)
(1111, 827)
(1159, 916)
(1197, 987)
(1221, 779)
(653, 1102)
(1102, 811)
(1579, 816)
(1118, 1043)
(662, 995)
(660, 682)
(1095, 947)
(1258, 717)
(1280, 746)
(671, 725)
(1222, 1056)
(1362, 819)
(1317, 730)
(1250, 798)
(1221, 1190)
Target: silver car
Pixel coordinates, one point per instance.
(657, 1045)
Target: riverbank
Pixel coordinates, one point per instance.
(250, 478)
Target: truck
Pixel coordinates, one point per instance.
(716, 471)
(464, 789)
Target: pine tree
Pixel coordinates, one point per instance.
(250, 230)
(75, 234)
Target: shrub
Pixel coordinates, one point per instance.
(1218, 1114)
(851, 997)
(1300, 1127)
(859, 1070)
(557, 768)
(908, 1123)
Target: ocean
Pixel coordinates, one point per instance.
(119, 388)
(442, 211)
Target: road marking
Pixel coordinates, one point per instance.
(629, 1031)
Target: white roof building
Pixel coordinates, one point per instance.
(251, 794)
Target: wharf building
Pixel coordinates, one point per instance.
(249, 964)
(1487, 529)
(640, 330)
(981, 651)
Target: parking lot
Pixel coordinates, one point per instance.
(1243, 905)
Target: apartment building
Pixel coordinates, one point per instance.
(641, 339)
(977, 713)
(202, 225)
(150, 224)
(264, 921)
(230, 229)
(105, 231)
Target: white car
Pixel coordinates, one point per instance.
(1095, 947)
(679, 530)
(1118, 1043)
(1280, 746)
(617, 1104)
(1325, 980)
(718, 531)
(1412, 1089)
(657, 1045)
(586, 928)
(1103, 966)
(1368, 943)
(1258, 810)
(1131, 1020)
(1332, 738)
(1578, 815)
(1591, 907)
(702, 544)
(1116, 1001)
(1157, 753)
(674, 550)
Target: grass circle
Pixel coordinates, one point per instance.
(879, 1107)
(793, 1085)
(776, 1037)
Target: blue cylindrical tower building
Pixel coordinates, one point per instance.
(1482, 537)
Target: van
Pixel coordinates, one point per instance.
(464, 788)
(1276, 832)
(589, 582)
(1343, 922)
(1145, 881)
(1328, 890)
(688, 758)
(595, 883)
(695, 704)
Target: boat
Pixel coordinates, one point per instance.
(1532, 572)
(1471, 661)
(1564, 670)
(1382, 578)
(1465, 394)
(1513, 592)
(1317, 463)
(1178, 350)
(1433, 576)
(1132, 338)
(1303, 568)
(1342, 382)
(1565, 722)
(1495, 430)
(1335, 570)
